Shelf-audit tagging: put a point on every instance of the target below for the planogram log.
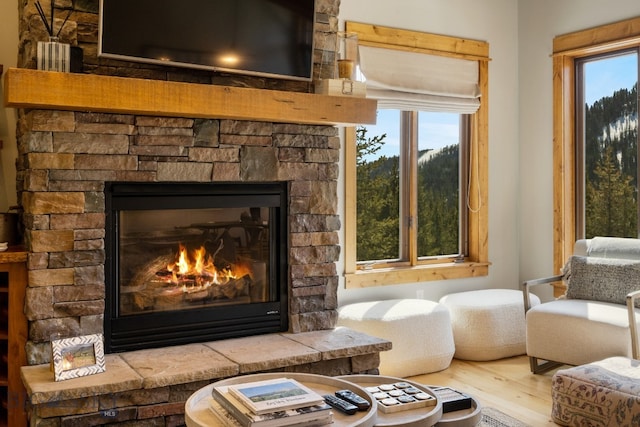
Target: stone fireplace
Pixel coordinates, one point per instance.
(79, 135)
(64, 204)
(97, 130)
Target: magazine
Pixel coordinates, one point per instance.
(274, 395)
(233, 413)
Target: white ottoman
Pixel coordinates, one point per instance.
(419, 330)
(488, 324)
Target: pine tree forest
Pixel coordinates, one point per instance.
(611, 162)
(378, 201)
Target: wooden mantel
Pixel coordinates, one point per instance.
(27, 88)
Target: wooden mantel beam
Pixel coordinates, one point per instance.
(27, 88)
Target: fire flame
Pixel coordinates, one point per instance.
(199, 269)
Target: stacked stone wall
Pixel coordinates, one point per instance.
(66, 158)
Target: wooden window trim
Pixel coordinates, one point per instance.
(476, 264)
(567, 49)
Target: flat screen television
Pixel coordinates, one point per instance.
(271, 38)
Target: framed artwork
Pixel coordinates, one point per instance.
(77, 356)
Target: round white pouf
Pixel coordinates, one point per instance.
(419, 330)
(488, 324)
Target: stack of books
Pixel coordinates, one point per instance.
(270, 403)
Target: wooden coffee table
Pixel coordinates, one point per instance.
(198, 414)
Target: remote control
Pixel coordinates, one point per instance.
(340, 405)
(351, 397)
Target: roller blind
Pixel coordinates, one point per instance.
(418, 81)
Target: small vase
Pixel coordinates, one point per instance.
(54, 56)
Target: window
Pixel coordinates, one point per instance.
(594, 162)
(408, 188)
(607, 145)
(416, 204)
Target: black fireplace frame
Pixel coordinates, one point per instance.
(160, 329)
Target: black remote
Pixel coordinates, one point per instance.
(340, 405)
(351, 397)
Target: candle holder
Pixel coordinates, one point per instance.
(343, 76)
(347, 55)
(54, 56)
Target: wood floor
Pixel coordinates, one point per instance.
(507, 385)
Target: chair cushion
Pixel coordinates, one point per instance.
(578, 331)
(602, 279)
(614, 247)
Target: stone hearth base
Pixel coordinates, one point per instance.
(150, 387)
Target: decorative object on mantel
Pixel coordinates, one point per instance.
(343, 78)
(77, 356)
(53, 55)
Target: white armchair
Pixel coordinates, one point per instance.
(597, 317)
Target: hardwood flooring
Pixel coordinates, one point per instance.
(507, 385)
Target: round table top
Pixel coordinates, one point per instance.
(198, 414)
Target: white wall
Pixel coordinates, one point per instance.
(539, 22)
(8, 58)
(496, 22)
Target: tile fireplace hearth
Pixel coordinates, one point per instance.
(150, 387)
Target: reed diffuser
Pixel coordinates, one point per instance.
(53, 55)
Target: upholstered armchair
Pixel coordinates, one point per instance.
(598, 315)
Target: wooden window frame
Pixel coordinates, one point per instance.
(476, 263)
(567, 49)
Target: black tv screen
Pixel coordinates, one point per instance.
(272, 38)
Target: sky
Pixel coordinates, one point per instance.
(605, 76)
(436, 130)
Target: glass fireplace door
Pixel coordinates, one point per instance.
(181, 259)
(194, 262)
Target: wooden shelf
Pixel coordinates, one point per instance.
(13, 336)
(27, 88)
(13, 255)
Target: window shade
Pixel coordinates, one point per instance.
(417, 81)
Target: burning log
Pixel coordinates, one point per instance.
(149, 272)
(177, 281)
(236, 287)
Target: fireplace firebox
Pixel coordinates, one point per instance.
(194, 262)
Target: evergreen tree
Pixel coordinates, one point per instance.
(378, 202)
(610, 201)
(438, 192)
(611, 159)
(378, 198)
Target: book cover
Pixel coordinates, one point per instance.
(274, 395)
(233, 413)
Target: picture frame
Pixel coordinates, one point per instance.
(77, 356)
